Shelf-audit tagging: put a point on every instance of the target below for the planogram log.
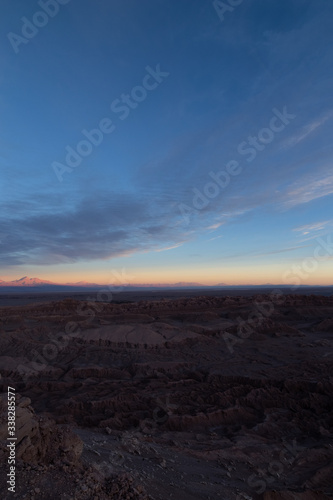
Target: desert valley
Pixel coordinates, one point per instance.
(199, 397)
(166, 250)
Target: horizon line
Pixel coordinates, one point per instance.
(180, 284)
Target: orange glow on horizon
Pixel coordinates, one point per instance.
(234, 276)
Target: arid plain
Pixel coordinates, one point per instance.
(186, 397)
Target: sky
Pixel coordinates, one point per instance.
(161, 141)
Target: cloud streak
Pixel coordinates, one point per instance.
(308, 190)
(306, 131)
(317, 226)
(102, 229)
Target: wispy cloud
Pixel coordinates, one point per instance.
(169, 248)
(216, 237)
(308, 190)
(308, 228)
(282, 250)
(306, 131)
(253, 254)
(215, 226)
(93, 229)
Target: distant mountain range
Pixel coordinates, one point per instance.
(25, 281)
(38, 284)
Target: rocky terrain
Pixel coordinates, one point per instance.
(192, 398)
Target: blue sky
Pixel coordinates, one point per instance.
(197, 92)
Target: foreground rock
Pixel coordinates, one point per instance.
(48, 462)
(39, 439)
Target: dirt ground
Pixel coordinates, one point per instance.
(200, 397)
